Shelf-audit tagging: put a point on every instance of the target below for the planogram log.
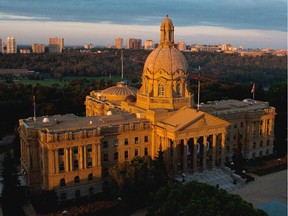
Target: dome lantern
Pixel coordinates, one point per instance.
(167, 32)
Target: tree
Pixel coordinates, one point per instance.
(161, 177)
(136, 180)
(277, 97)
(12, 193)
(196, 198)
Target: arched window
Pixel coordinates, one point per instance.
(178, 89)
(161, 90)
(77, 179)
(90, 177)
(62, 182)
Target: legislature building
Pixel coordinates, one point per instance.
(72, 155)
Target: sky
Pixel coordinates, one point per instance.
(249, 23)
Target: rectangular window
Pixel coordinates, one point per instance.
(136, 152)
(126, 155)
(89, 162)
(136, 140)
(115, 156)
(105, 144)
(61, 167)
(89, 148)
(126, 141)
(146, 139)
(61, 152)
(75, 150)
(75, 164)
(105, 157)
(241, 124)
(146, 151)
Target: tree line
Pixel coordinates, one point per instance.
(230, 68)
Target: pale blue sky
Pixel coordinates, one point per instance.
(251, 23)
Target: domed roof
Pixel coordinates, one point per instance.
(167, 23)
(168, 59)
(120, 89)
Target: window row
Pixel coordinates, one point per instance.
(75, 164)
(126, 141)
(261, 144)
(161, 89)
(125, 154)
(75, 150)
(76, 180)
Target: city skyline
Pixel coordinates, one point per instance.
(252, 24)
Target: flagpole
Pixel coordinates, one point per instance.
(122, 72)
(198, 104)
(34, 108)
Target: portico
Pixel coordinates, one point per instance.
(192, 143)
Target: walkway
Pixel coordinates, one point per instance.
(267, 192)
(224, 178)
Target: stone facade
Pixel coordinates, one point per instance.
(72, 154)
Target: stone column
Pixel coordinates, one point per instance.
(94, 155)
(185, 155)
(98, 155)
(51, 164)
(71, 159)
(84, 158)
(175, 157)
(80, 157)
(66, 162)
(223, 149)
(56, 158)
(214, 146)
(195, 139)
(204, 152)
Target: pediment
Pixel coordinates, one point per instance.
(187, 119)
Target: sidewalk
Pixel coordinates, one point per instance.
(219, 176)
(267, 192)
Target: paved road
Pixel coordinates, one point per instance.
(265, 189)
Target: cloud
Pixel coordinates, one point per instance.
(6, 16)
(243, 14)
(77, 33)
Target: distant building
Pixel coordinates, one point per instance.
(25, 51)
(180, 46)
(250, 53)
(89, 46)
(1, 46)
(149, 45)
(38, 48)
(56, 45)
(133, 43)
(11, 45)
(119, 43)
